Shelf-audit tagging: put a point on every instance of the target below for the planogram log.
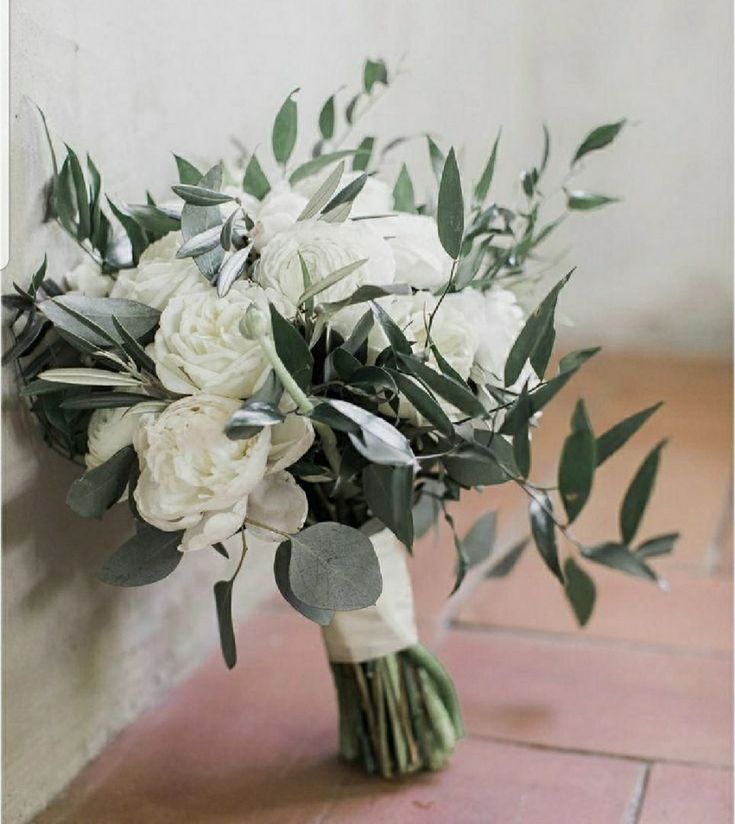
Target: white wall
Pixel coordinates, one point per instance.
(132, 80)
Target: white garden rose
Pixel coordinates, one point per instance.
(290, 440)
(108, 431)
(420, 258)
(277, 502)
(160, 275)
(325, 247)
(199, 347)
(86, 279)
(375, 198)
(192, 476)
(278, 210)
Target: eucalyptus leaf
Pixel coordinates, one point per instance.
(577, 463)
(149, 556)
(618, 556)
(436, 158)
(403, 196)
(451, 390)
(660, 545)
(315, 165)
(188, 172)
(363, 154)
(479, 542)
(81, 376)
(284, 130)
(326, 119)
(483, 185)
(281, 565)
(330, 280)
(504, 565)
(255, 182)
(347, 194)
(389, 494)
(292, 349)
(323, 193)
(197, 219)
(598, 138)
(232, 270)
(98, 489)
(638, 494)
(203, 242)
(223, 603)
(334, 567)
(609, 442)
(543, 532)
(375, 71)
(423, 403)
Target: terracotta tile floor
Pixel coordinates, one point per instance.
(628, 721)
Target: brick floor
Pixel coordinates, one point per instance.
(629, 721)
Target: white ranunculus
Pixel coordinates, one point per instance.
(501, 320)
(277, 502)
(86, 279)
(108, 431)
(278, 210)
(325, 247)
(376, 197)
(199, 347)
(192, 476)
(420, 258)
(290, 440)
(160, 275)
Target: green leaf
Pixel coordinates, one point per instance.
(80, 187)
(232, 270)
(98, 489)
(315, 165)
(326, 119)
(598, 138)
(155, 221)
(450, 207)
(188, 172)
(423, 403)
(483, 185)
(284, 130)
(427, 508)
(542, 529)
(363, 154)
(572, 361)
(197, 219)
(506, 564)
(577, 463)
(133, 349)
(334, 567)
(396, 338)
(389, 494)
(104, 400)
(149, 556)
(330, 279)
(533, 334)
(350, 108)
(251, 418)
(474, 465)
(255, 182)
(223, 603)
(292, 349)
(584, 201)
(326, 189)
(580, 591)
(660, 545)
(451, 390)
(618, 556)
(638, 493)
(436, 157)
(479, 542)
(137, 318)
(348, 194)
(199, 244)
(541, 355)
(201, 195)
(521, 439)
(366, 293)
(609, 442)
(545, 152)
(281, 565)
(403, 197)
(375, 71)
(133, 230)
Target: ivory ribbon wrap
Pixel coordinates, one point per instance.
(386, 627)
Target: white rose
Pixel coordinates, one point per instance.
(87, 279)
(501, 321)
(375, 198)
(278, 210)
(199, 347)
(160, 275)
(192, 476)
(325, 247)
(290, 440)
(420, 258)
(108, 431)
(277, 502)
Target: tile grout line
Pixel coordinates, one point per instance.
(614, 756)
(587, 640)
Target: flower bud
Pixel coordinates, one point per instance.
(255, 324)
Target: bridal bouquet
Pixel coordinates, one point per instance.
(310, 357)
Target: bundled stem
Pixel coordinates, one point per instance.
(397, 714)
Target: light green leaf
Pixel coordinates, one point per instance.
(403, 197)
(363, 154)
(598, 138)
(330, 280)
(188, 172)
(660, 545)
(255, 182)
(326, 119)
(201, 195)
(232, 270)
(281, 566)
(375, 71)
(436, 157)
(79, 376)
(479, 542)
(450, 207)
(315, 165)
(284, 130)
(323, 193)
(584, 201)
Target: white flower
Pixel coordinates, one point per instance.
(108, 431)
(501, 320)
(325, 247)
(278, 210)
(160, 275)
(420, 258)
(290, 440)
(192, 476)
(199, 347)
(87, 279)
(278, 502)
(375, 198)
